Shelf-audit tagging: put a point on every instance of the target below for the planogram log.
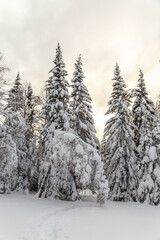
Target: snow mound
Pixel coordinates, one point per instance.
(46, 219)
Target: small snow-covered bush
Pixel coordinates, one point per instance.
(70, 165)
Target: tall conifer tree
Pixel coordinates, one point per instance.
(30, 139)
(81, 108)
(30, 113)
(120, 159)
(55, 110)
(15, 124)
(15, 101)
(142, 106)
(144, 116)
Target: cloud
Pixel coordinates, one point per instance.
(103, 31)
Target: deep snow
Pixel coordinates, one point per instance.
(30, 218)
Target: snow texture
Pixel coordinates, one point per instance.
(71, 165)
(29, 218)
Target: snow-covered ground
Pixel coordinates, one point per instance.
(29, 218)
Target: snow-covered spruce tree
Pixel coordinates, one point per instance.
(15, 121)
(30, 113)
(15, 101)
(149, 173)
(142, 106)
(30, 139)
(8, 161)
(15, 125)
(81, 109)
(55, 110)
(63, 170)
(120, 159)
(71, 165)
(149, 166)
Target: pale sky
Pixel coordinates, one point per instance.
(103, 31)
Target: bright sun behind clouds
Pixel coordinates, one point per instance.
(100, 120)
(108, 31)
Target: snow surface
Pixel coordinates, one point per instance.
(153, 153)
(29, 218)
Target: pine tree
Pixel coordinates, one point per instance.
(15, 101)
(19, 121)
(30, 139)
(81, 109)
(30, 113)
(120, 159)
(15, 126)
(142, 105)
(55, 110)
(144, 116)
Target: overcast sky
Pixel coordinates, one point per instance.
(103, 31)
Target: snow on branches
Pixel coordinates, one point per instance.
(71, 165)
(81, 109)
(119, 150)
